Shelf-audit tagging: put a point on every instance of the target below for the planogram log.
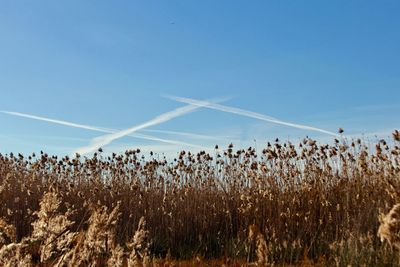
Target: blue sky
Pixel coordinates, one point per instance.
(326, 64)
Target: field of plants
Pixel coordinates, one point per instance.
(286, 204)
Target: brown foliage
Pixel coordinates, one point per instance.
(304, 203)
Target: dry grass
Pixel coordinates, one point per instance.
(305, 204)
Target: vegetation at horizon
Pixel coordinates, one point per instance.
(287, 204)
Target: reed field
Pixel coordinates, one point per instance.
(285, 204)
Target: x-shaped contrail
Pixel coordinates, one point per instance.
(97, 129)
(246, 113)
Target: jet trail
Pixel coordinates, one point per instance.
(66, 123)
(106, 139)
(97, 129)
(242, 112)
(191, 135)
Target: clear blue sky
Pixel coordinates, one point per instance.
(327, 64)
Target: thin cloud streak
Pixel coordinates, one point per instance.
(98, 129)
(242, 112)
(190, 135)
(106, 139)
(168, 141)
(65, 123)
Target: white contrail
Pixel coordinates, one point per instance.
(106, 139)
(246, 113)
(187, 134)
(163, 140)
(66, 123)
(97, 129)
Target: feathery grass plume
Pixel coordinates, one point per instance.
(251, 244)
(16, 254)
(7, 233)
(262, 250)
(139, 246)
(396, 135)
(95, 245)
(257, 245)
(117, 257)
(389, 228)
(52, 229)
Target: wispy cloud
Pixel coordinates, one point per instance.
(46, 137)
(106, 139)
(163, 140)
(98, 129)
(187, 134)
(61, 122)
(242, 112)
(378, 133)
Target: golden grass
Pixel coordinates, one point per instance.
(306, 204)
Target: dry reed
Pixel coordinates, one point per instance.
(308, 203)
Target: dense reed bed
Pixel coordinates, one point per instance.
(286, 204)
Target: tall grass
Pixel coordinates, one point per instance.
(293, 204)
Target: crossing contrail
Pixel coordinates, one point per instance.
(106, 139)
(187, 134)
(251, 114)
(62, 122)
(97, 129)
